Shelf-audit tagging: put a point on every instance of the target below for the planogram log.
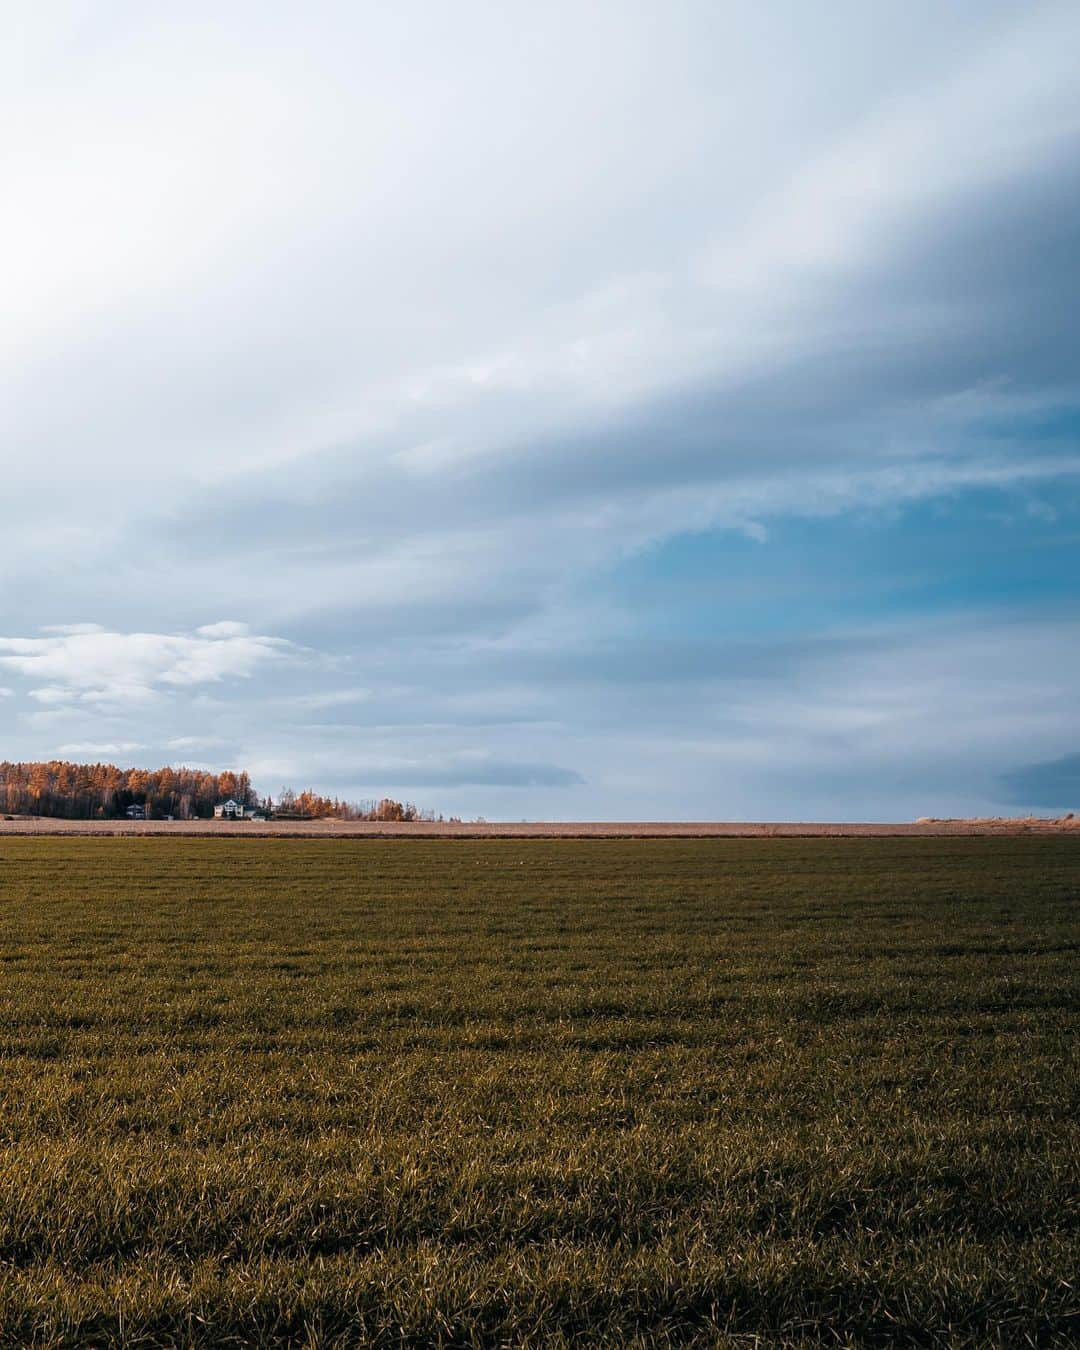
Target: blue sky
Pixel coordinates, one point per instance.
(637, 411)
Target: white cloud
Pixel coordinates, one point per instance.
(51, 693)
(73, 629)
(191, 743)
(910, 154)
(102, 668)
(330, 698)
(99, 749)
(187, 215)
(227, 628)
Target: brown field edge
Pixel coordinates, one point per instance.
(335, 829)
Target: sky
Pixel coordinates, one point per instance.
(623, 411)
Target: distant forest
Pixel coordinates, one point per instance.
(104, 792)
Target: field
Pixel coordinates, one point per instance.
(503, 1091)
(325, 828)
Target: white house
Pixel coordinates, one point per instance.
(230, 810)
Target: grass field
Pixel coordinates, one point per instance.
(645, 1092)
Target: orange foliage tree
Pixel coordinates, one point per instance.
(57, 787)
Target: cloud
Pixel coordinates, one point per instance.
(102, 667)
(1054, 782)
(329, 698)
(363, 775)
(50, 694)
(227, 628)
(480, 771)
(100, 750)
(191, 743)
(72, 629)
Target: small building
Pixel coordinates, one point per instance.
(136, 812)
(230, 810)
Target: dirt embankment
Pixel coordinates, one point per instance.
(337, 829)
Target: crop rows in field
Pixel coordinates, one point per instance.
(508, 1091)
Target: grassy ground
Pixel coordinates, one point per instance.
(492, 1091)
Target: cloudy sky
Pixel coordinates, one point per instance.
(621, 410)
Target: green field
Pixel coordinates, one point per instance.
(492, 1092)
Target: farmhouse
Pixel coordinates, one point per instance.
(230, 810)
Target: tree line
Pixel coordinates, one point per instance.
(57, 787)
(310, 806)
